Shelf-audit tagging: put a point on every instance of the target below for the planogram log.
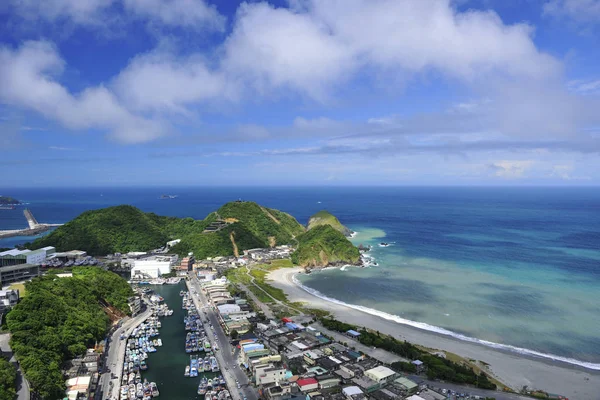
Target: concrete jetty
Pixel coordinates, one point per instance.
(33, 229)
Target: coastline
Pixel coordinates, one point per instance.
(514, 369)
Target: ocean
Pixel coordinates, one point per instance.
(517, 267)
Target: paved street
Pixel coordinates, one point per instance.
(23, 392)
(116, 353)
(225, 355)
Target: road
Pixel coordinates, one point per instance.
(23, 391)
(116, 355)
(226, 355)
(379, 354)
(472, 391)
(264, 308)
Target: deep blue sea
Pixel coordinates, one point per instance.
(518, 266)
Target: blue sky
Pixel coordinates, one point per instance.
(299, 92)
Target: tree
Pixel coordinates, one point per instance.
(234, 334)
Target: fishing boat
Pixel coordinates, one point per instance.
(154, 389)
(187, 371)
(202, 386)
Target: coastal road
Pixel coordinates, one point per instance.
(116, 355)
(225, 355)
(23, 391)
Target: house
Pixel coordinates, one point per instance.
(407, 385)
(327, 381)
(307, 384)
(353, 393)
(381, 374)
(8, 299)
(353, 334)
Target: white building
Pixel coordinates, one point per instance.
(266, 374)
(380, 374)
(153, 267)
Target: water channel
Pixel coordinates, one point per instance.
(166, 367)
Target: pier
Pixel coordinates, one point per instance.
(33, 229)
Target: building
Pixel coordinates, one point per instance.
(353, 393)
(135, 304)
(407, 385)
(419, 364)
(265, 374)
(307, 384)
(353, 334)
(186, 264)
(8, 299)
(381, 374)
(17, 273)
(152, 267)
(18, 257)
(327, 381)
(78, 386)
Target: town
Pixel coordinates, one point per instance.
(260, 350)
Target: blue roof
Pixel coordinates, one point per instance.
(353, 332)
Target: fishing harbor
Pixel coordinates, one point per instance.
(202, 360)
(142, 342)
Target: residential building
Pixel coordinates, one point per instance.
(135, 304)
(353, 393)
(269, 373)
(381, 374)
(8, 299)
(407, 385)
(307, 384)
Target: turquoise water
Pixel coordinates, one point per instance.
(518, 266)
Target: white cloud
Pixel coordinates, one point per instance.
(194, 14)
(158, 81)
(27, 79)
(317, 44)
(580, 11)
(511, 169)
(585, 86)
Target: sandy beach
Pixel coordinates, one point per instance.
(513, 369)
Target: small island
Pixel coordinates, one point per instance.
(9, 201)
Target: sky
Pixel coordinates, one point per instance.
(299, 92)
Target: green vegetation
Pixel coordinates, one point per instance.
(8, 380)
(326, 218)
(8, 200)
(59, 319)
(322, 246)
(122, 229)
(437, 367)
(108, 230)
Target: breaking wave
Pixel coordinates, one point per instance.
(446, 332)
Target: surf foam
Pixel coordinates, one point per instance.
(446, 332)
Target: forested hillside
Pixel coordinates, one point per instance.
(59, 319)
(324, 245)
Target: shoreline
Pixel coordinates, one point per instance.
(514, 369)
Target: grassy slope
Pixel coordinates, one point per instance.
(323, 245)
(326, 218)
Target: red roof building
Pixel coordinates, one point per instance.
(307, 384)
(287, 320)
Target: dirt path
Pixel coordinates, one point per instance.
(235, 248)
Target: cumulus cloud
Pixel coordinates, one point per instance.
(511, 169)
(316, 45)
(28, 80)
(158, 81)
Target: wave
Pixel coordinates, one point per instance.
(353, 234)
(446, 332)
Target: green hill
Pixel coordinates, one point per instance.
(108, 230)
(323, 245)
(8, 200)
(326, 218)
(241, 226)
